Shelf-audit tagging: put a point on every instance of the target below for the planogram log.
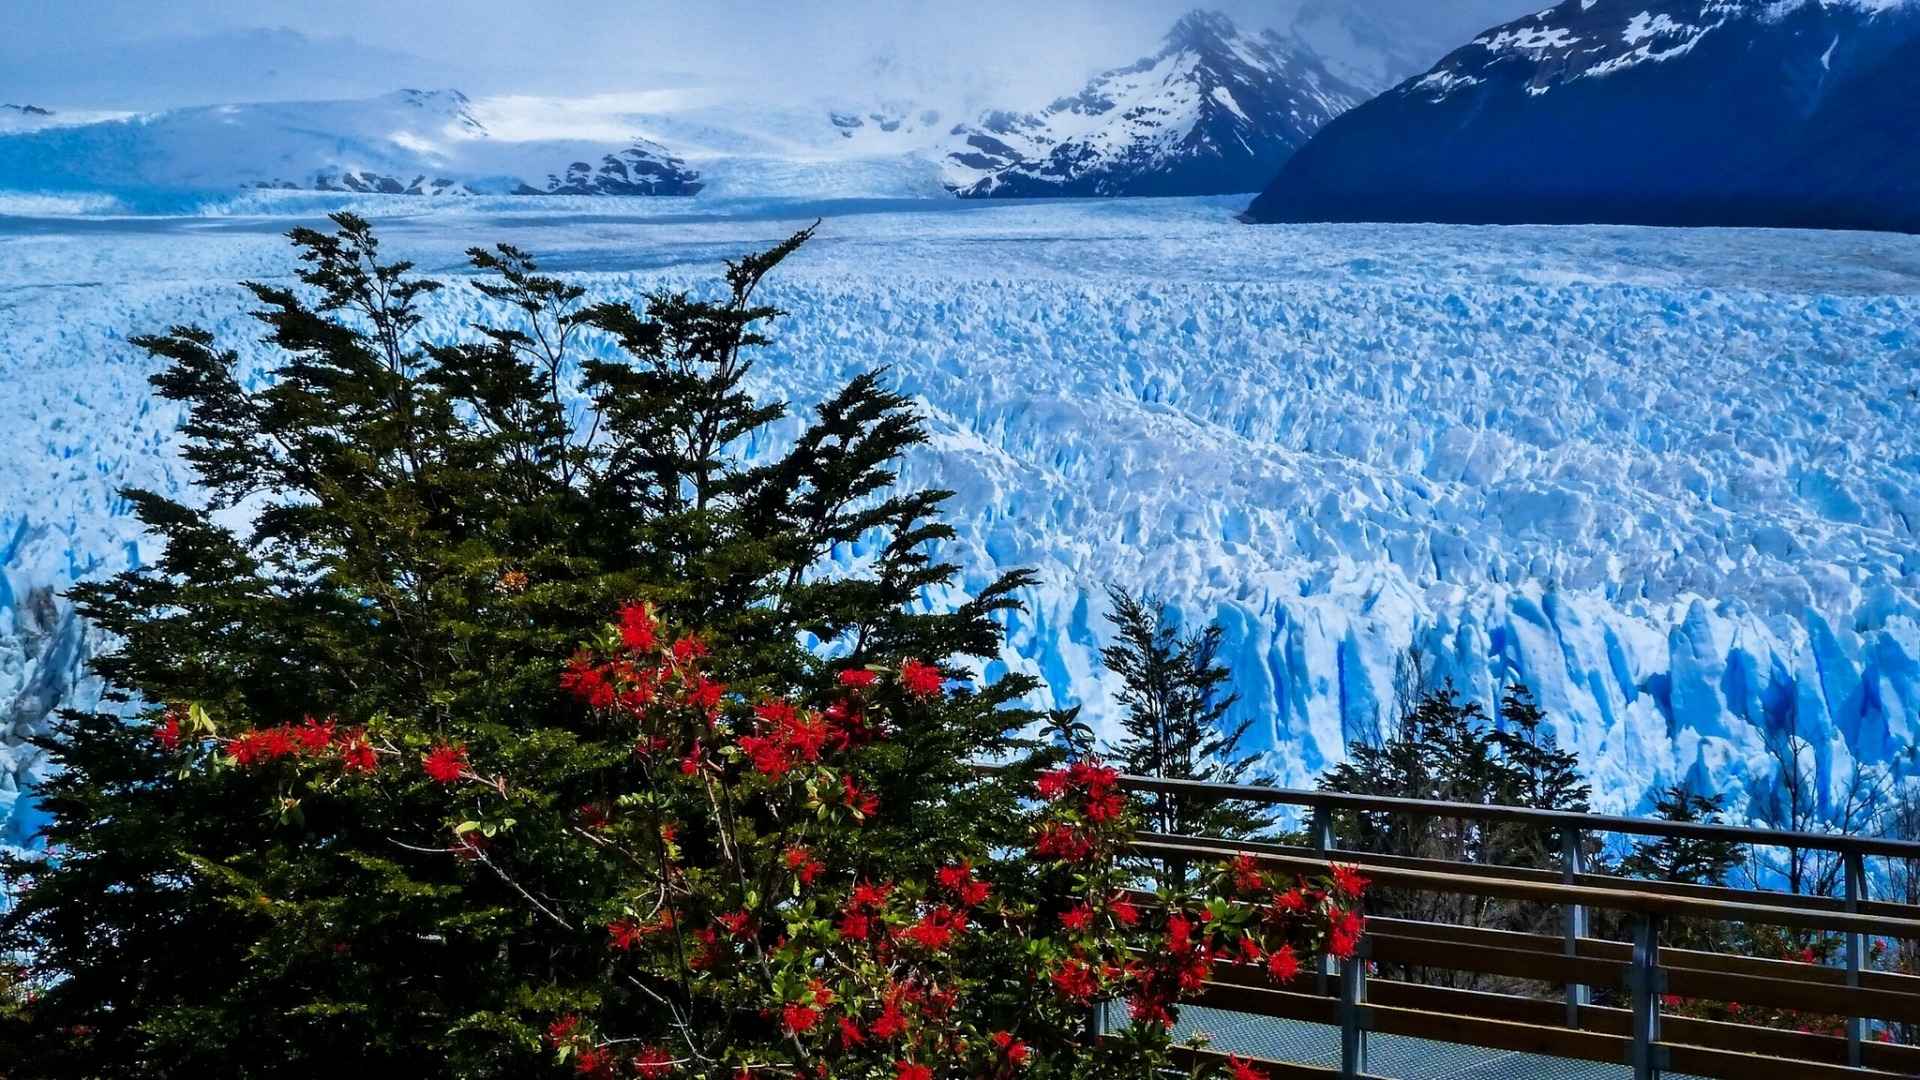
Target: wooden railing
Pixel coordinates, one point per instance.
(1643, 968)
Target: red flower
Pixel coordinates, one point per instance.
(736, 922)
(639, 631)
(921, 680)
(446, 762)
(1246, 874)
(1282, 965)
(796, 1017)
(1015, 1050)
(689, 648)
(706, 693)
(261, 744)
(864, 803)
(653, 1063)
(587, 682)
(912, 1071)
(958, 879)
(857, 678)
(1123, 911)
(167, 731)
(1077, 918)
(1348, 882)
(1051, 785)
(314, 735)
(1179, 934)
(562, 1029)
(1105, 807)
(594, 1062)
(1242, 1069)
(854, 926)
(1343, 933)
(1075, 980)
(890, 1023)
(356, 753)
(626, 933)
(850, 1033)
(803, 864)
(1058, 840)
(936, 928)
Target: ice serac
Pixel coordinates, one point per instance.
(1215, 111)
(411, 142)
(44, 649)
(1793, 113)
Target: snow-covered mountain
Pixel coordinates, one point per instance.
(410, 142)
(1214, 111)
(1676, 112)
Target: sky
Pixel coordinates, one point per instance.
(586, 46)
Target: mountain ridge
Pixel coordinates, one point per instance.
(1213, 111)
(1690, 112)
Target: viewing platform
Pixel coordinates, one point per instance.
(1595, 1001)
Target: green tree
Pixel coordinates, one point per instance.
(1174, 690)
(1693, 861)
(1533, 772)
(431, 528)
(1687, 859)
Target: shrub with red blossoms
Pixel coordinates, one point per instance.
(749, 907)
(758, 921)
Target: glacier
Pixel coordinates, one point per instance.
(1668, 478)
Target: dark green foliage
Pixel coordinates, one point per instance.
(1691, 861)
(1174, 690)
(1447, 749)
(1533, 771)
(434, 527)
(1685, 859)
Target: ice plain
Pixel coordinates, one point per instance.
(1668, 478)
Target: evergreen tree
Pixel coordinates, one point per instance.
(1535, 773)
(433, 527)
(1447, 749)
(1174, 690)
(1441, 750)
(1689, 860)
(1686, 859)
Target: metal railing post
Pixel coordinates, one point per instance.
(1323, 842)
(1353, 995)
(1647, 982)
(1856, 886)
(1573, 863)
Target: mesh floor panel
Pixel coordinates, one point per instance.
(1393, 1056)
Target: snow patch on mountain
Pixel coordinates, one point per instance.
(1215, 110)
(410, 142)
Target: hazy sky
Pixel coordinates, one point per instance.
(594, 43)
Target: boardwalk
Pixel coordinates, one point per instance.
(1603, 1007)
(1390, 1057)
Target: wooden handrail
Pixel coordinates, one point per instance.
(1712, 893)
(1553, 819)
(1468, 883)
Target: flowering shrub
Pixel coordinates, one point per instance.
(768, 932)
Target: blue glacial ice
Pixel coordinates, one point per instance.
(1670, 479)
